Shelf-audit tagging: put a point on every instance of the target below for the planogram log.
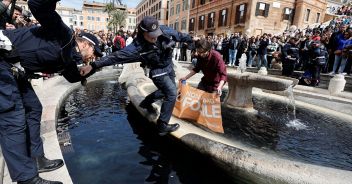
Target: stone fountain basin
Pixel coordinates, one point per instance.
(244, 163)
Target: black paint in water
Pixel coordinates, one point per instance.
(112, 143)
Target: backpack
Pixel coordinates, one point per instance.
(119, 43)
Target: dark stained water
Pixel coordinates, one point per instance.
(305, 135)
(105, 140)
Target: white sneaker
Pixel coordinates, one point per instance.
(332, 73)
(344, 73)
(229, 65)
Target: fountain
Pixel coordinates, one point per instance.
(241, 84)
(272, 145)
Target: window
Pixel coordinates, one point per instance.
(184, 5)
(222, 17)
(201, 22)
(262, 9)
(81, 23)
(80, 17)
(178, 7)
(176, 25)
(211, 19)
(75, 23)
(98, 19)
(129, 20)
(183, 24)
(172, 11)
(193, 3)
(241, 11)
(93, 18)
(287, 14)
(191, 24)
(306, 16)
(88, 18)
(160, 5)
(318, 18)
(71, 20)
(202, 2)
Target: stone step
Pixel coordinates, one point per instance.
(2, 166)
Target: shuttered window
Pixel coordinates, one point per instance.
(262, 9)
(241, 11)
(223, 17)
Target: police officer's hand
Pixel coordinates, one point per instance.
(10, 26)
(85, 70)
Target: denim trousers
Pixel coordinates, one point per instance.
(167, 91)
(232, 56)
(262, 61)
(339, 60)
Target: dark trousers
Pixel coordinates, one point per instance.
(288, 68)
(20, 113)
(315, 70)
(167, 90)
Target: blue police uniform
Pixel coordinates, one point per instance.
(158, 58)
(49, 48)
(290, 55)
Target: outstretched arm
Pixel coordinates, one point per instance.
(129, 54)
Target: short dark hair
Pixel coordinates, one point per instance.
(18, 8)
(203, 45)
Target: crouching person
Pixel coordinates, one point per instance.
(211, 65)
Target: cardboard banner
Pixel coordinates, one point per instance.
(199, 106)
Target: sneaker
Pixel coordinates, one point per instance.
(344, 73)
(332, 73)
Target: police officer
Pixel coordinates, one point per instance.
(318, 58)
(49, 48)
(153, 47)
(290, 56)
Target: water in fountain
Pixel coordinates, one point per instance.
(294, 122)
(242, 63)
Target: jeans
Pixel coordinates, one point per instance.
(261, 58)
(250, 58)
(167, 90)
(232, 56)
(339, 60)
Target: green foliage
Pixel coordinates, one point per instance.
(117, 17)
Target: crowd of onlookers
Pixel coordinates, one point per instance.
(343, 10)
(313, 50)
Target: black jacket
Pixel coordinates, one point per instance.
(157, 57)
(48, 48)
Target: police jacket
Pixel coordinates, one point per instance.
(318, 54)
(48, 48)
(156, 56)
(290, 53)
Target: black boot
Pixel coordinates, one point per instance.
(148, 106)
(165, 128)
(46, 165)
(38, 180)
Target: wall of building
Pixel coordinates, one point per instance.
(156, 8)
(179, 15)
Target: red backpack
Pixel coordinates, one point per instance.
(119, 43)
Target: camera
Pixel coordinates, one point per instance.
(27, 15)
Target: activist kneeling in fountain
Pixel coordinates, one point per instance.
(213, 67)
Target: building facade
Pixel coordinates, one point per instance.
(253, 17)
(131, 20)
(156, 8)
(179, 15)
(95, 18)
